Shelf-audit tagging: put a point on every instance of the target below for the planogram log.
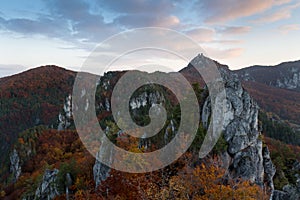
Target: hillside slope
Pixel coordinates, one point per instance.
(285, 75)
(35, 97)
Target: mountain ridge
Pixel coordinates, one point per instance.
(42, 80)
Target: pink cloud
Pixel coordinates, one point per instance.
(225, 11)
(223, 54)
(281, 14)
(227, 42)
(201, 34)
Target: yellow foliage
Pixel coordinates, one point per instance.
(205, 182)
(2, 194)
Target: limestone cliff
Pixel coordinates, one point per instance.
(48, 188)
(248, 158)
(15, 166)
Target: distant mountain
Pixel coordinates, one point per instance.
(275, 88)
(285, 75)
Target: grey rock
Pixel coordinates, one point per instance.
(146, 99)
(15, 166)
(241, 132)
(289, 191)
(296, 166)
(269, 168)
(47, 189)
(279, 195)
(100, 170)
(64, 118)
(206, 113)
(69, 182)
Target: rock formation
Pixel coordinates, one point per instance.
(249, 160)
(48, 187)
(290, 191)
(15, 166)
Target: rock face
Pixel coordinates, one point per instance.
(15, 166)
(269, 169)
(290, 191)
(248, 158)
(100, 170)
(145, 99)
(48, 188)
(64, 118)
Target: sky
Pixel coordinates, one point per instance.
(234, 32)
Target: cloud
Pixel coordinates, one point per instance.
(201, 34)
(143, 20)
(281, 14)
(232, 30)
(42, 26)
(224, 54)
(285, 29)
(67, 20)
(136, 13)
(227, 42)
(276, 16)
(223, 11)
(82, 22)
(138, 6)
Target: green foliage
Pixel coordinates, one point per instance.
(196, 144)
(30, 185)
(113, 130)
(283, 157)
(280, 180)
(200, 92)
(221, 146)
(65, 168)
(278, 130)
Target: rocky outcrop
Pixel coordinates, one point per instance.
(279, 195)
(15, 166)
(269, 169)
(145, 99)
(64, 118)
(285, 75)
(100, 170)
(248, 159)
(290, 191)
(291, 82)
(48, 187)
(69, 183)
